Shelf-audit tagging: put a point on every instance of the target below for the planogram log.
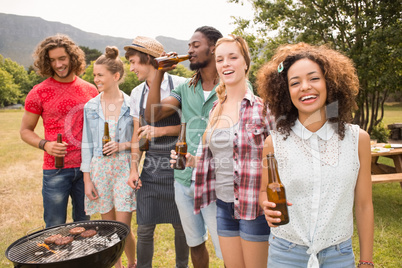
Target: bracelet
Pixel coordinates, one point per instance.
(365, 262)
(42, 144)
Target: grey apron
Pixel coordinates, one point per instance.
(155, 199)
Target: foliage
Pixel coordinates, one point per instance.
(90, 54)
(20, 76)
(130, 80)
(9, 91)
(369, 32)
(182, 71)
(380, 133)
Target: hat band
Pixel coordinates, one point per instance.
(138, 46)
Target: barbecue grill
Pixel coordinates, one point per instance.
(99, 251)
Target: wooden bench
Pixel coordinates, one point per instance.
(396, 131)
(383, 178)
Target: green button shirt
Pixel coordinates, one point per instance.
(195, 112)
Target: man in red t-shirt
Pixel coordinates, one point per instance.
(59, 100)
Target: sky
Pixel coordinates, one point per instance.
(130, 18)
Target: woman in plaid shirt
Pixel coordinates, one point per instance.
(229, 169)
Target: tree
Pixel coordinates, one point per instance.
(90, 54)
(369, 32)
(9, 91)
(182, 71)
(20, 76)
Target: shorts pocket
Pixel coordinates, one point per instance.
(280, 244)
(49, 173)
(345, 248)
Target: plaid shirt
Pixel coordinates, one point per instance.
(248, 144)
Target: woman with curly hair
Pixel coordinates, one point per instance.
(323, 160)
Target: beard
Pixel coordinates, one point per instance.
(68, 73)
(199, 65)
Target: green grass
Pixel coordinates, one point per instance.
(393, 113)
(21, 201)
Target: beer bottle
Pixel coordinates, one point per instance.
(168, 61)
(276, 190)
(59, 161)
(143, 143)
(106, 138)
(181, 149)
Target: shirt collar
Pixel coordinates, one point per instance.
(325, 132)
(164, 85)
(249, 96)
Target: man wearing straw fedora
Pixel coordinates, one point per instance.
(195, 98)
(155, 196)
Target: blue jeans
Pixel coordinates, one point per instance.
(256, 230)
(285, 254)
(58, 185)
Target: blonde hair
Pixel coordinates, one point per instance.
(221, 88)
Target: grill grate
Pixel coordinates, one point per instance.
(27, 250)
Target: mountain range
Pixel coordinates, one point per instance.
(19, 35)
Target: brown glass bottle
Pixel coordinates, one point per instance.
(276, 190)
(168, 61)
(106, 138)
(143, 143)
(59, 161)
(181, 149)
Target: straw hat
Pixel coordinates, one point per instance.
(147, 45)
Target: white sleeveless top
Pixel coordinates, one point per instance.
(319, 172)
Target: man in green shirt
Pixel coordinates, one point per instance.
(195, 98)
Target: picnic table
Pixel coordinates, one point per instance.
(383, 173)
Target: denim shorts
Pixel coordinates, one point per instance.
(251, 230)
(58, 186)
(285, 254)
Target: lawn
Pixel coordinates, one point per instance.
(21, 201)
(21, 209)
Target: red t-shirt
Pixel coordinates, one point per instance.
(61, 107)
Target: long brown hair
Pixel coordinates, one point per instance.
(42, 60)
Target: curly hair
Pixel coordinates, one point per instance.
(341, 80)
(42, 60)
(112, 61)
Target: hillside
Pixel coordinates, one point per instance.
(19, 36)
